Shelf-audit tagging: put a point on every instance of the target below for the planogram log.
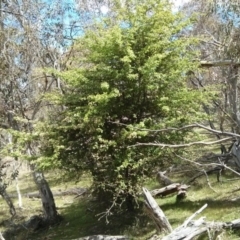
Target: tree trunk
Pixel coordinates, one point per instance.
(15, 172)
(235, 151)
(8, 200)
(234, 98)
(48, 203)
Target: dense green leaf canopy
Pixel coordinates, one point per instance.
(130, 72)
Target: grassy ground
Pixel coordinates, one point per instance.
(80, 213)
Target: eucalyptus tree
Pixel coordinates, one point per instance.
(218, 26)
(34, 34)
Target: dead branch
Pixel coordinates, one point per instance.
(1, 236)
(155, 213)
(195, 125)
(172, 188)
(216, 131)
(163, 145)
(194, 215)
(192, 228)
(103, 237)
(218, 166)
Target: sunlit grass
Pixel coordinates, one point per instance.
(79, 214)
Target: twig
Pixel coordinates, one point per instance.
(208, 182)
(107, 213)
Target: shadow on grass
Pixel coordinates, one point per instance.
(80, 219)
(194, 206)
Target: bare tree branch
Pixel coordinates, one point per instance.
(195, 125)
(163, 145)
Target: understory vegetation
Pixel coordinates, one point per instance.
(80, 213)
(102, 100)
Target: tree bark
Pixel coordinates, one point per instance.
(172, 188)
(235, 151)
(7, 199)
(156, 213)
(48, 203)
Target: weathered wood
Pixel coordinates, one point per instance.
(155, 213)
(235, 151)
(48, 204)
(233, 224)
(181, 195)
(175, 187)
(219, 63)
(1, 236)
(194, 215)
(102, 237)
(190, 228)
(163, 179)
(188, 232)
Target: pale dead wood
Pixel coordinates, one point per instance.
(172, 188)
(194, 215)
(155, 213)
(204, 143)
(1, 236)
(102, 237)
(193, 228)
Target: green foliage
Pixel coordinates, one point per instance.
(130, 74)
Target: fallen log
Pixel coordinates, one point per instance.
(102, 237)
(190, 229)
(156, 213)
(172, 188)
